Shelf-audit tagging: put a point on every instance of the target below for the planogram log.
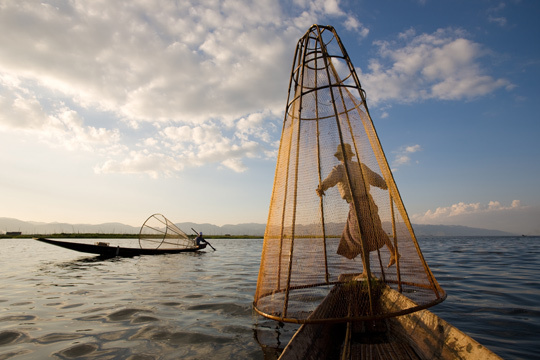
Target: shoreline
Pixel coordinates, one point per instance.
(114, 236)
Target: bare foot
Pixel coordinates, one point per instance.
(362, 276)
(393, 260)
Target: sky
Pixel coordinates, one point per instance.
(111, 111)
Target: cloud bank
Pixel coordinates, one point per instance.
(515, 217)
(443, 213)
(157, 87)
(203, 74)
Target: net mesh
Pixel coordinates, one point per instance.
(335, 215)
(158, 232)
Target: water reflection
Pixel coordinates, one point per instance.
(273, 336)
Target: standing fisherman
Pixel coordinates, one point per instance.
(367, 224)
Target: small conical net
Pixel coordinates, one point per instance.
(158, 232)
(336, 217)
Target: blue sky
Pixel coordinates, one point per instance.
(112, 111)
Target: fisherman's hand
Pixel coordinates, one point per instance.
(319, 191)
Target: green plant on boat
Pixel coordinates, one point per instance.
(360, 287)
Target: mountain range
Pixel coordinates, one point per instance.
(251, 229)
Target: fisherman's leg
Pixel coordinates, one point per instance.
(364, 273)
(393, 254)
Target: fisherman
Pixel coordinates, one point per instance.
(370, 227)
(199, 239)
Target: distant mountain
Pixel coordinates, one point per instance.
(33, 227)
(455, 230)
(252, 229)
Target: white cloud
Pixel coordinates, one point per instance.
(180, 147)
(256, 125)
(443, 65)
(67, 129)
(161, 60)
(413, 148)
(403, 155)
(314, 9)
(501, 21)
(195, 82)
(154, 165)
(234, 164)
(145, 61)
(58, 126)
(150, 142)
(514, 218)
(20, 112)
(494, 14)
(442, 214)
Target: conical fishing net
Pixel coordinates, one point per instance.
(336, 217)
(158, 232)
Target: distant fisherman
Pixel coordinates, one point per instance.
(200, 239)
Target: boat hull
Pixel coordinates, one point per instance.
(113, 251)
(418, 335)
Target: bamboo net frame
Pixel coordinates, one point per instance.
(336, 216)
(158, 232)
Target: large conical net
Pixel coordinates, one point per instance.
(320, 235)
(158, 232)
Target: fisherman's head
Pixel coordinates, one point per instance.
(348, 152)
(200, 233)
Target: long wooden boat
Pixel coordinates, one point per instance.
(104, 250)
(418, 335)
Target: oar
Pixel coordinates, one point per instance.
(196, 232)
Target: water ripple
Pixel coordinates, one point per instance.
(63, 304)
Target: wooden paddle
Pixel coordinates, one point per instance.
(196, 232)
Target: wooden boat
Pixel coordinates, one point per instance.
(104, 250)
(418, 335)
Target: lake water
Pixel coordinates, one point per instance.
(62, 304)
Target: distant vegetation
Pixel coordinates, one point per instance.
(113, 236)
(238, 231)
